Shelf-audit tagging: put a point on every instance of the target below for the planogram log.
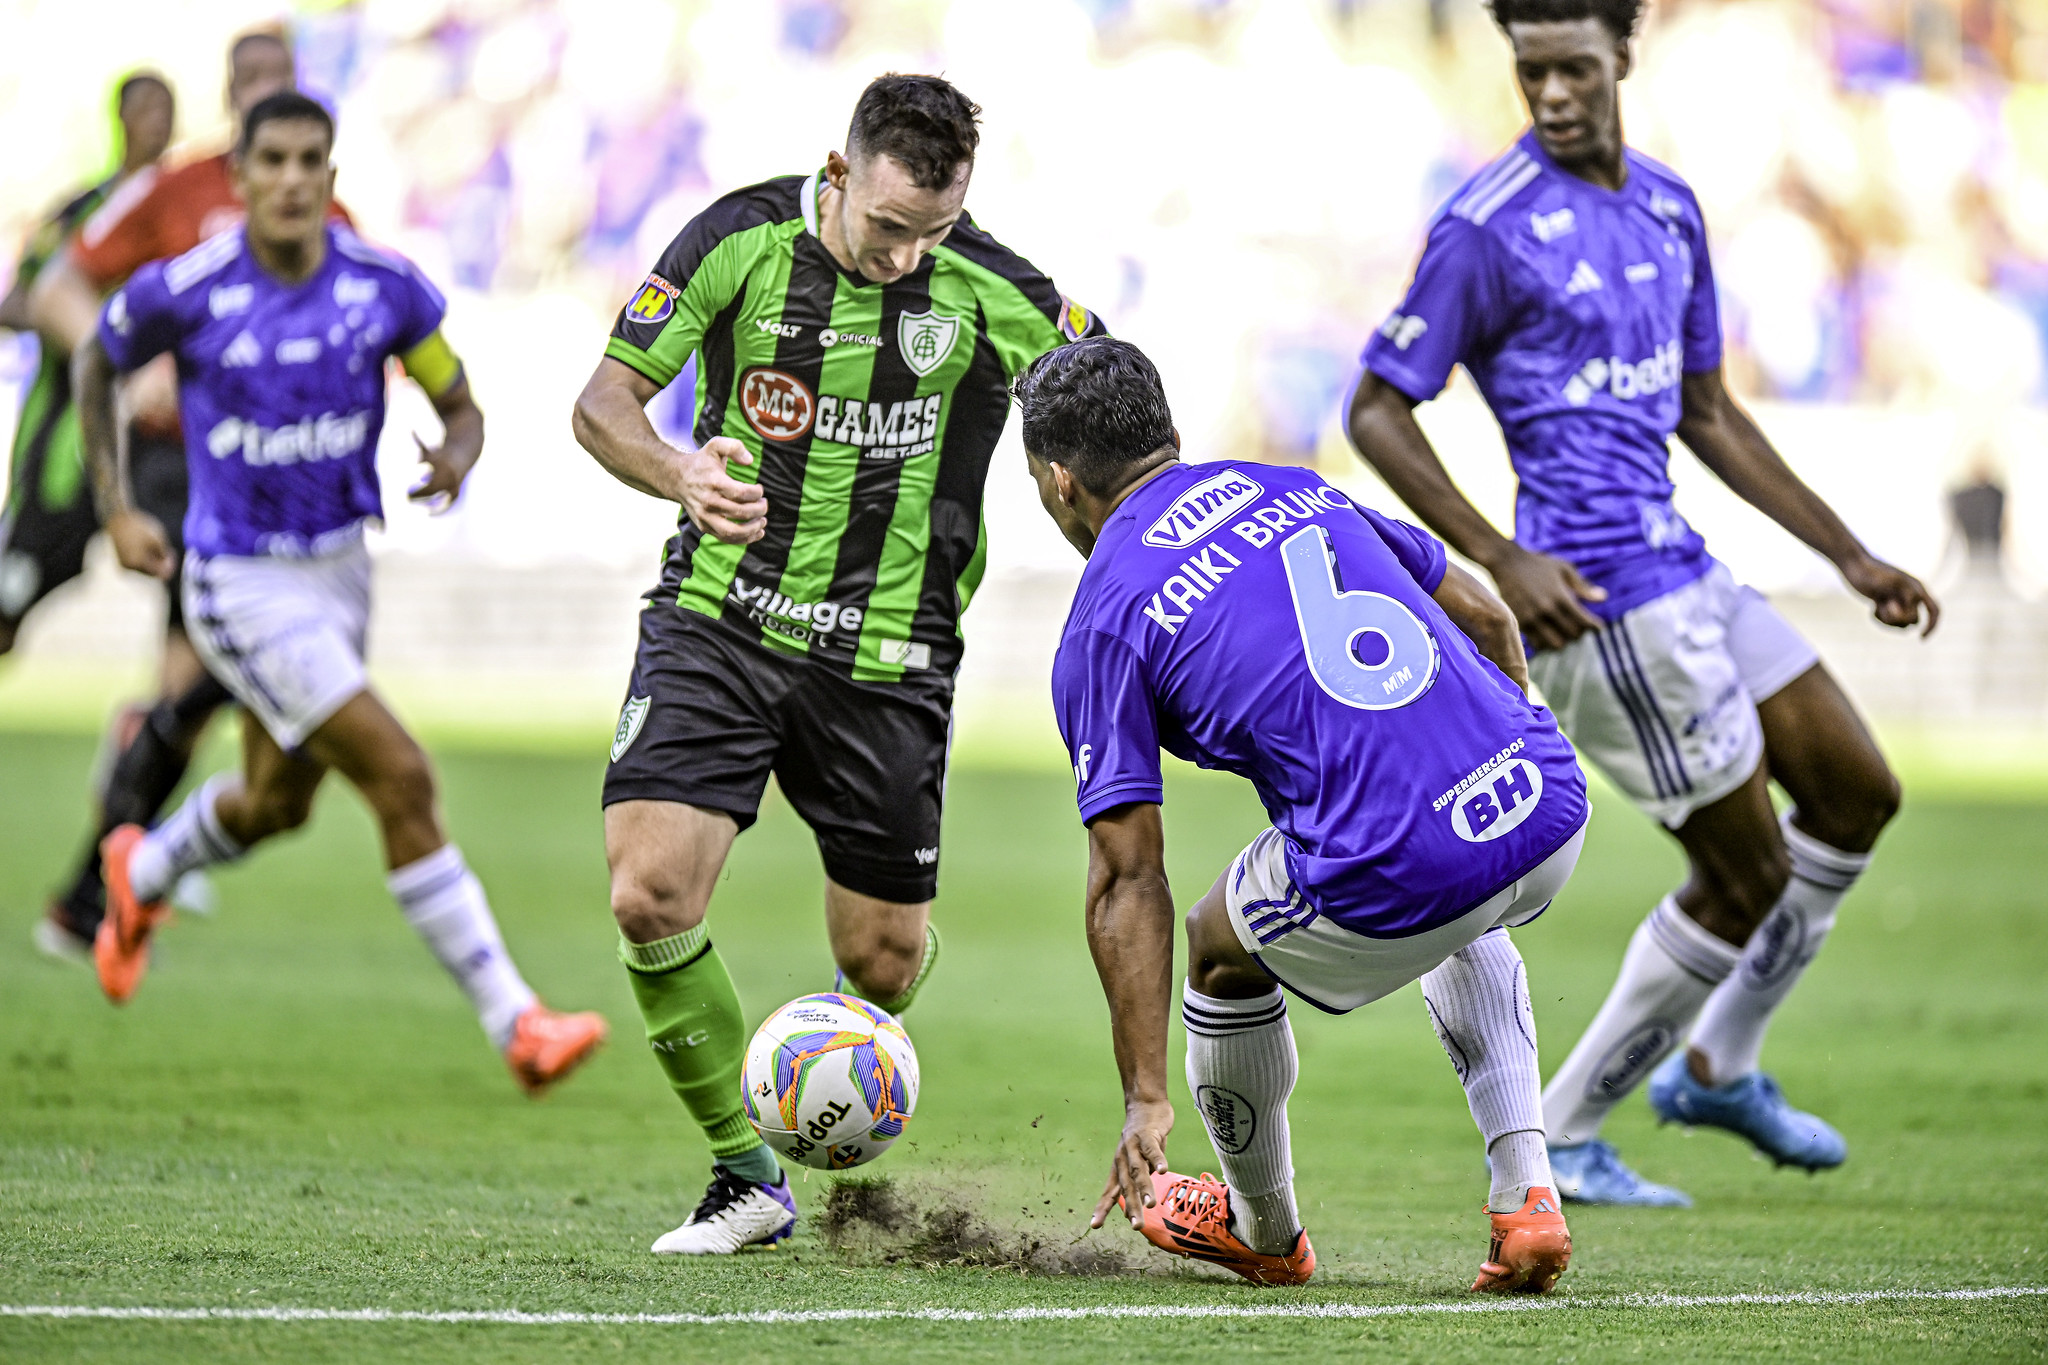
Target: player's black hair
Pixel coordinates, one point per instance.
(258, 35)
(921, 121)
(136, 79)
(1096, 407)
(285, 104)
(1620, 16)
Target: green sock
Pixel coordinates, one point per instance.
(924, 969)
(698, 1036)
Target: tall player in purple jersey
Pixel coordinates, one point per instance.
(1251, 618)
(281, 330)
(1571, 279)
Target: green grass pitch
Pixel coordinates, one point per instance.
(299, 1111)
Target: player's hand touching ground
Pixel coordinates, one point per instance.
(1897, 596)
(140, 543)
(1139, 1152)
(718, 504)
(1546, 595)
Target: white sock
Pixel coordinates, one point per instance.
(1732, 1025)
(189, 838)
(1671, 966)
(1478, 1000)
(1519, 1160)
(445, 905)
(1241, 1069)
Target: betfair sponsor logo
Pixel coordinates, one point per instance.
(1403, 330)
(330, 436)
(1653, 374)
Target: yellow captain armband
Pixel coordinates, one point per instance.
(433, 365)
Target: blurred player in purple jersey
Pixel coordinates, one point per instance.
(1571, 279)
(1251, 618)
(281, 330)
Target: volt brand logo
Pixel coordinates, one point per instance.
(777, 329)
(655, 303)
(776, 404)
(1403, 331)
(926, 339)
(1229, 1117)
(1498, 805)
(925, 856)
(1651, 375)
(631, 717)
(1202, 509)
(329, 436)
(882, 431)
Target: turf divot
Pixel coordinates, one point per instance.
(875, 1220)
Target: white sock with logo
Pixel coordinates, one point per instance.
(1241, 1069)
(445, 905)
(189, 838)
(1478, 1000)
(1732, 1025)
(1671, 966)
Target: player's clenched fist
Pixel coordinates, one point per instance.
(140, 544)
(719, 505)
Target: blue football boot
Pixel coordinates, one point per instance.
(1592, 1173)
(1752, 1107)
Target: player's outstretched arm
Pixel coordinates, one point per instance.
(1726, 440)
(63, 304)
(610, 421)
(1130, 936)
(14, 314)
(138, 538)
(1486, 619)
(1545, 594)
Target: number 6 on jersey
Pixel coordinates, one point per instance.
(1342, 631)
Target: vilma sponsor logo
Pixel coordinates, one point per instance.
(1229, 1116)
(1501, 804)
(655, 303)
(1201, 509)
(1627, 1060)
(777, 404)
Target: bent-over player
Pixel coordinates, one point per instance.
(1251, 618)
(281, 331)
(856, 333)
(1571, 279)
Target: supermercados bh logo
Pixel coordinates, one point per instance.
(926, 339)
(777, 404)
(1202, 509)
(1494, 797)
(655, 302)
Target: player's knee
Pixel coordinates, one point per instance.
(277, 811)
(403, 786)
(882, 971)
(1856, 813)
(652, 903)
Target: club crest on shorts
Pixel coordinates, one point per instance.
(926, 339)
(631, 717)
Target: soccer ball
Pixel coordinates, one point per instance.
(830, 1081)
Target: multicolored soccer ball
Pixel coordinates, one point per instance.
(830, 1081)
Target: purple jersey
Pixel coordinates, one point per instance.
(1577, 311)
(1250, 618)
(280, 386)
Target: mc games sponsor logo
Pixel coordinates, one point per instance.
(777, 404)
(881, 431)
(1201, 509)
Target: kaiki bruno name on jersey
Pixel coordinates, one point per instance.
(781, 408)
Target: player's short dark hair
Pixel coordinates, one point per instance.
(922, 122)
(285, 105)
(1620, 16)
(1097, 407)
(254, 36)
(134, 81)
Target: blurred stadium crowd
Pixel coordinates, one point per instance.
(1238, 185)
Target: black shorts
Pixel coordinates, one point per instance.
(43, 547)
(711, 713)
(157, 473)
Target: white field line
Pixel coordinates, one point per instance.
(778, 1318)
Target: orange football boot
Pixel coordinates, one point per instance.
(547, 1045)
(120, 950)
(1530, 1248)
(1191, 1217)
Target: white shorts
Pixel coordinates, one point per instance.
(1338, 969)
(1664, 699)
(284, 635)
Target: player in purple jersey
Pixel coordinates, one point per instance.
(1572, 281)
(1251, 618)
(281, 330)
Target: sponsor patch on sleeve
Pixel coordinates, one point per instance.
(655, 303)
(1074, 319)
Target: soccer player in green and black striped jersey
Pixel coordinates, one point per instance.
(855, 333)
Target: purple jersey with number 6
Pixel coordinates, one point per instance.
(280, 386)
(1251, 618)
(1578, 311)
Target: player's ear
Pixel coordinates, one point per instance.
(1063, 484)
(1176, 440)
(1624, 60)
(836, 170)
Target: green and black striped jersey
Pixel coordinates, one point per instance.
(871, 410)
(48, 458)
